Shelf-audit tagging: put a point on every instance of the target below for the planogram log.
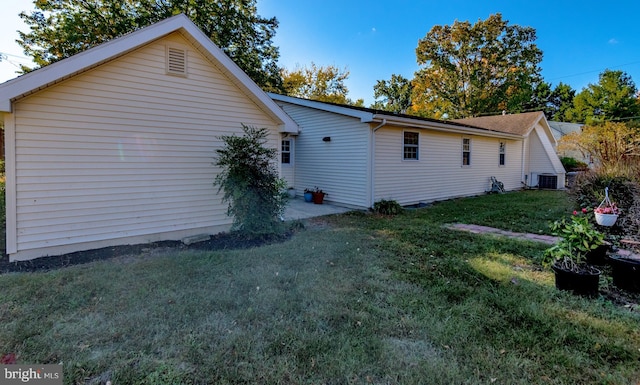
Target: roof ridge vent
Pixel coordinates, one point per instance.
(176, 61)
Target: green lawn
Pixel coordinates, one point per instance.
(351, 299)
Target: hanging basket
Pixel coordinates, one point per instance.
(606, 219)
(607, 212)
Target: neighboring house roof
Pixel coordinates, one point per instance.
(519, 124)
(561, 129)
(368, 115)
(66, 68)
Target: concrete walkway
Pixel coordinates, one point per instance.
(477, 229)
(548, 239)
(299, 209)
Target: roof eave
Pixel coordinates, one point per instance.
(365, 117)
(444, 127)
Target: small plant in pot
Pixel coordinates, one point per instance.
(308, 195)
(318, 196)
(568, 258)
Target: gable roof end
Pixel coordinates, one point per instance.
(66, 68)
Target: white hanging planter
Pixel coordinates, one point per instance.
(606, 219)
(606, 213)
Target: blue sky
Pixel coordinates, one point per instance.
(374, 39)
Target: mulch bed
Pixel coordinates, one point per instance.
(222, 241)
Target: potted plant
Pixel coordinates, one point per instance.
(568, 257)
(318, 196)
(291, 192)
(308, 195)
(607, 212)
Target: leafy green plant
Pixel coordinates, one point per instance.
(250, 182)
(579, 237)
(387, 207)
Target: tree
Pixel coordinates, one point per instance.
(561, 100)
(250, 181)
(470, 69)
(325, 84)
(62, 28)
(610, 144)
(613, 98)
(554, 103)
(540, 99)
(395, 94)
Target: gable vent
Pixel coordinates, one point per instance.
(176, 61)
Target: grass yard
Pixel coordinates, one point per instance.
(351, 299)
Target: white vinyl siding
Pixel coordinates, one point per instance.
(437, 174)
(543, 159)
(125, 150)
(341, 166)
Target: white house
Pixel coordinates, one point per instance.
(359, 156)
(116, 145)
(541, 166)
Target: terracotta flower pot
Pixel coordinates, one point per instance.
(318, 197)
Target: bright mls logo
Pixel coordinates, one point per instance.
(31, 374)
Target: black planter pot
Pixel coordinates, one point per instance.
(625, 273)
(598, 256)
(579, 283)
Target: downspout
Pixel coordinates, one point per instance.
(373, 160)
(522, 174)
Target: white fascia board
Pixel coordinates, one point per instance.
(444, 127)
(85, 60)
(364, 116)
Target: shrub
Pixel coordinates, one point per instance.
(251, 185)
(387, 207)
(572, 164)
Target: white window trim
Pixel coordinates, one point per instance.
(463, 151)
(502, 150)
(417, 147)
(291, 152)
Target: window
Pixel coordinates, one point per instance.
(502, 152)
(410, 149)
(466, 152)
(286, 151)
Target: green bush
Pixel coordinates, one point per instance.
(572, 164)
(387, 207)
(251, 184)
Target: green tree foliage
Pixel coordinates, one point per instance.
(62, 28)
(554, 103)
(472, 69)
(325, 84)
(614, 97)
(395, 94)
(250, 181)
(561, 100)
